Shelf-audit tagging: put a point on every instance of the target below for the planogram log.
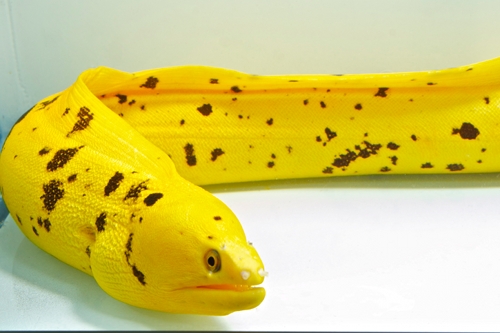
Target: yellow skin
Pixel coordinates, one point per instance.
(101, 175)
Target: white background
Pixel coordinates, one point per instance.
(355, 253)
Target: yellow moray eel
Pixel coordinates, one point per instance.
(101, 175)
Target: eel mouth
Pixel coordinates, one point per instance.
(232, 287)
(220, 299)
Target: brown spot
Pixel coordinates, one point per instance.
(487, 100)
(182, 122)
(234, 99)
(479, 161)
(44, 151)
(153, 198)
(467, 131)
(127, 257)
(61, 157)
(431, 83)
(65, 112)
(328, 170)
(113, 183)
(205, 109)
(45, 223)
(131, 102)
(370, 149)
(269, 121)
(414, 137)
(273, 156)
(34, 129)
(139, 275)
(394, 160)
(289, 148)
(135, 191)
(240, 116)
(19, 220)
(217, 218)
(469, 69)
(72, 178)
(101, 222)
(128, 246)
(121, 98)
(318, 139)
(323, 105)
(216, 153)
(455, 167)
(392, 146)
(210, 237)
(381, 92)
(47, 103)
(270, 164)
(214, 81)
(345, 159)
(358, 106)
(293, 80)
(35, 231)
(190, 157)
(385, 169)
(329, 134)
(53, 192)
(306, 101)
(483, 150)
(142, 107)
(84, 118)
(150, 83)
(236, 89)
(87, 251)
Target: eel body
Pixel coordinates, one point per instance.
(222, 126)
(102, 175)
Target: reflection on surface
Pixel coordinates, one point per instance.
(432, 181)
(4, 212)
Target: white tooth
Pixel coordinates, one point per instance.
(245, 275)
(263, 273)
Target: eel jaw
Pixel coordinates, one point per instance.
(233, 287)
(218, 299)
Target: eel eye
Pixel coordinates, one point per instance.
(212, 260)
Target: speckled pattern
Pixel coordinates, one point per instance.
(101, 175)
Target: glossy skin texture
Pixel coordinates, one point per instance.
(243, 127)
(87, 188)
(100, 174)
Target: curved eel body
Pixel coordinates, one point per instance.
(102, 175)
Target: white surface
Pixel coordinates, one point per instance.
(358, 253)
